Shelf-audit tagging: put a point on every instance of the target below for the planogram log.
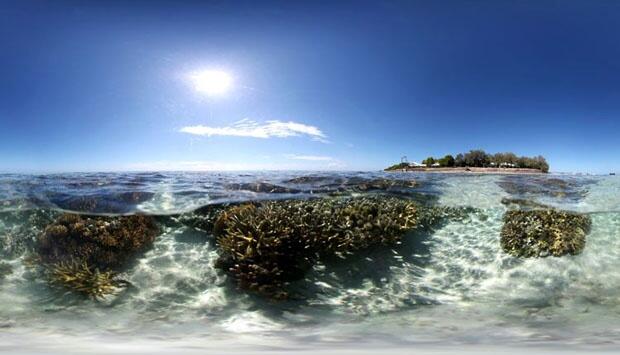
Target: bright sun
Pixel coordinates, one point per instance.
(212, 82)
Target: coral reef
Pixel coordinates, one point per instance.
(380, 184)
(5, 270)
(326, 185)
(83, 279)
(74, 248)
(523, 203)
(543, 186)
(202, 218)
(266, 246)
(541, 233)
(103, 242)
(123, 202)
(264, 187)
(309, 179)
(21, 229)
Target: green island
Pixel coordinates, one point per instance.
(477, 161)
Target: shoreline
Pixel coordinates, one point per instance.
(473, 170)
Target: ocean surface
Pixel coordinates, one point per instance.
(445, 289)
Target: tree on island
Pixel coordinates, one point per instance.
(478, 158)
(399, 166)
(459, 161)
(429, 161)
(447, 161)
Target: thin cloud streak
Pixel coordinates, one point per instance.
(250, 128)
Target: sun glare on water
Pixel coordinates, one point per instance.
(212, 82)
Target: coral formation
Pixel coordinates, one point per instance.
(266, 246)
(541, 233)
(123, 202)
(264, 187)
(523, 203)
(381, 184)
(542, 186)
(76, 247)
(308, 179)
(21, 229)
(326, 185)
(83, 279)
(203, 218)
(103, 242)
(5, 270)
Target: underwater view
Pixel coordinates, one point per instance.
(309, 177)
(295, 261)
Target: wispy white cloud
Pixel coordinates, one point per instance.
(308, 157)
(268, 129)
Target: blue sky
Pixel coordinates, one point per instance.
(347, 85)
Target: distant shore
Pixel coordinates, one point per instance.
(472, 170)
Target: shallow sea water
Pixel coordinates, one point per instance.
(451, 288)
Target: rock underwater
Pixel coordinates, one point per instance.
(325, 185)
(264, 187)
(5, 270)
(544, 186)
(545, 232)
(84, 253)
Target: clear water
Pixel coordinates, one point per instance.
(450, 287)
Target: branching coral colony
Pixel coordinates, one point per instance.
(84, 279)
(547, 232)
(266, 246)
(83, 253)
